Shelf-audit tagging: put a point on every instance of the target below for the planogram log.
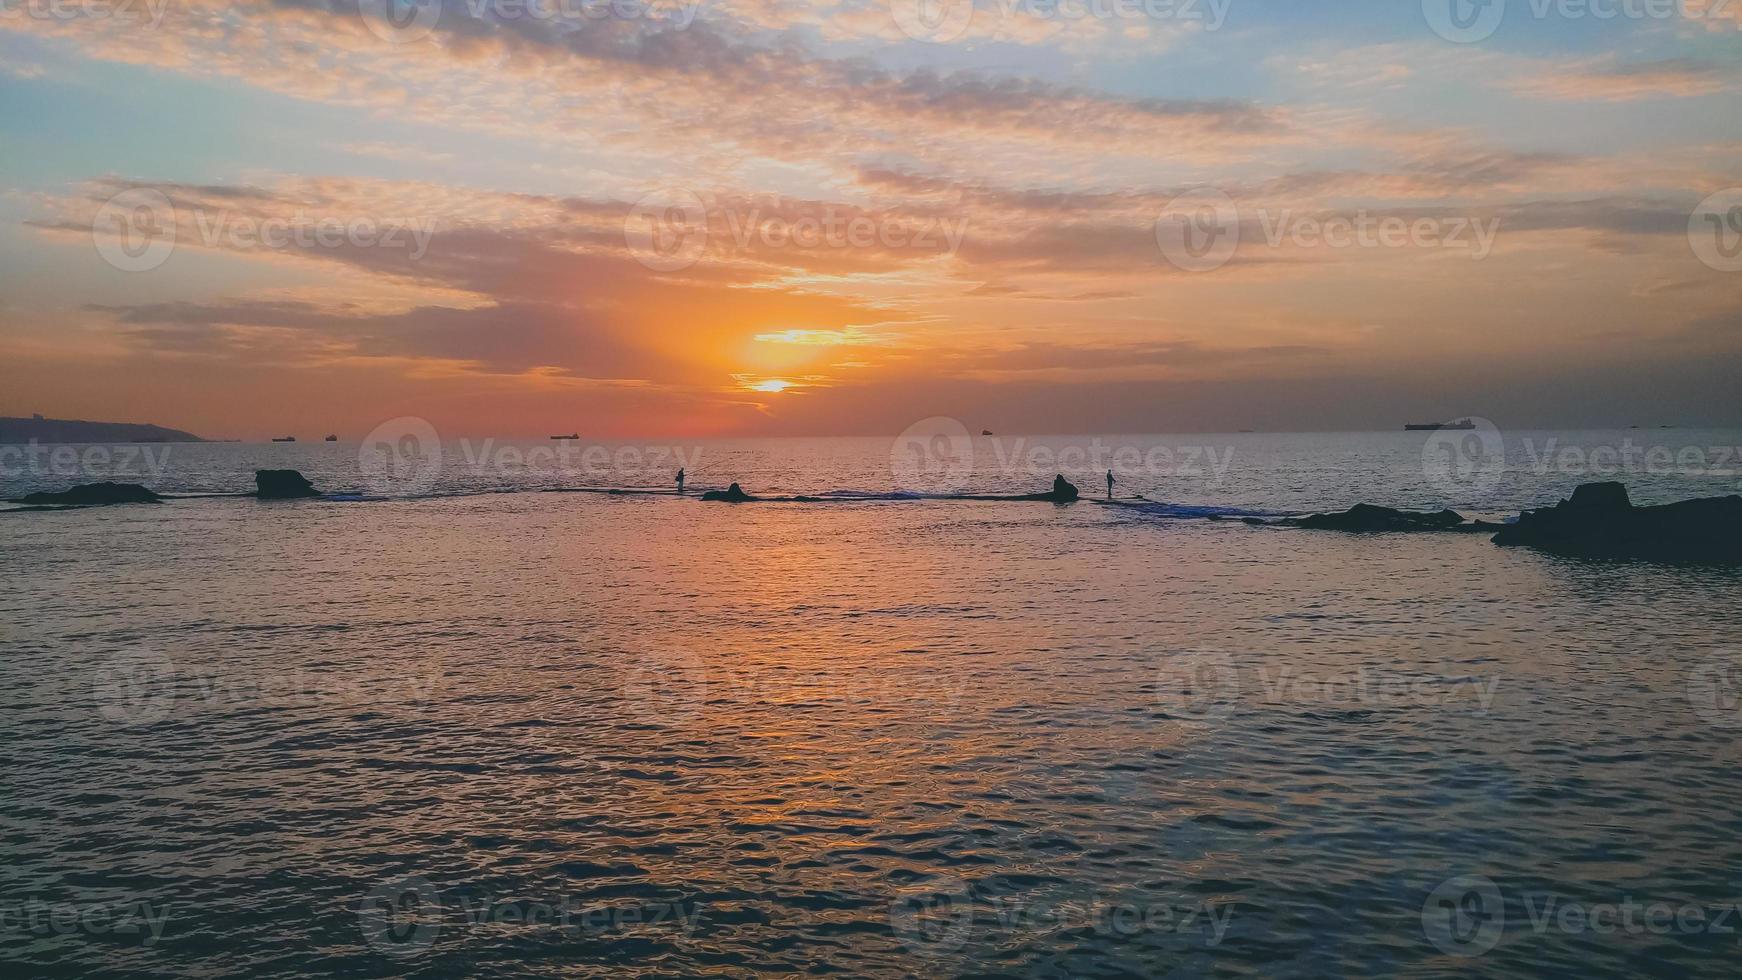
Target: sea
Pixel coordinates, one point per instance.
(448, 721)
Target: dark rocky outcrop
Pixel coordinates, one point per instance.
(1600, 521)
(1369, 519)
(95, 494)
(733, 494)
(1063, 492)
(282, 485)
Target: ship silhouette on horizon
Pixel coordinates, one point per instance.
(1461, 425)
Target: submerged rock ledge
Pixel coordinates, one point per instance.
(1599, 521)
(1369, 519)
(1063, 492)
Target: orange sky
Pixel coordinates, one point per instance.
(749, 218)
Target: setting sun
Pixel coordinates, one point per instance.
(774, 385)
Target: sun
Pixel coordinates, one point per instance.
(773, 385)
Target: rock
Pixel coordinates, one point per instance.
(1062, 492)
(733, 494)
(1368, 519)
(96, 494)
(282, 485)
(1601, 497)
(1600, 521)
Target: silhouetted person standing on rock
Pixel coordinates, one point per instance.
(1109, 484)
(680, 481)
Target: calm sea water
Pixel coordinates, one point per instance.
(463, 733)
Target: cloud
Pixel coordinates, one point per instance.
(1613, 81)
(850, 337)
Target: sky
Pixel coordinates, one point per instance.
(632, 218)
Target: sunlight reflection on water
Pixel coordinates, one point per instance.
(917, 738)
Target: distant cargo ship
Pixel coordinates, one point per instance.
(566, 438)
(285, 439)
(1461, 425)
(332, 438)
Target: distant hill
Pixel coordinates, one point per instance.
(44, 430)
